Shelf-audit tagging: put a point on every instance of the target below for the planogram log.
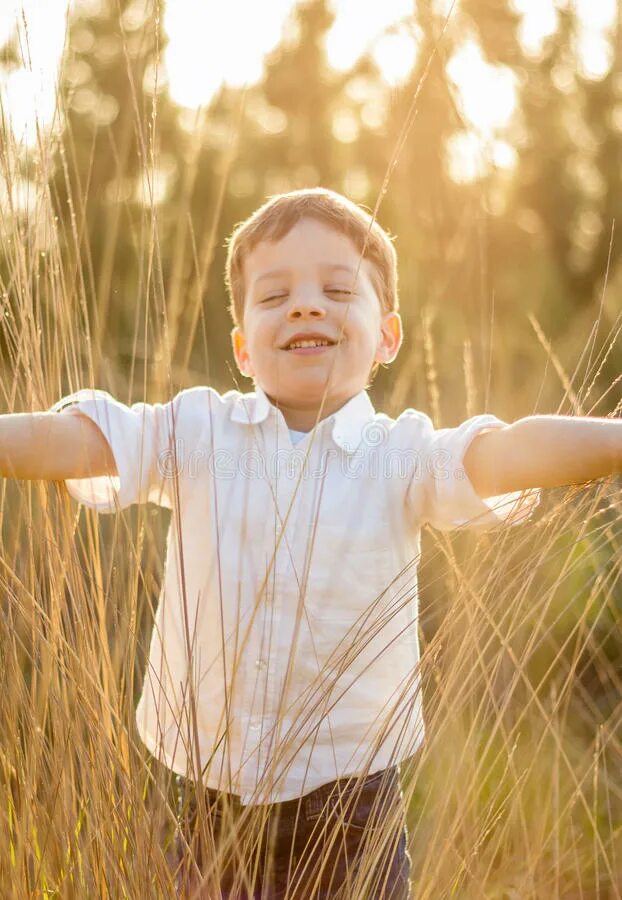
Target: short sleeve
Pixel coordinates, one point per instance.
(442, 495)
(143, 438)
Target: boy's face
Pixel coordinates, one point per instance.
(305, 284)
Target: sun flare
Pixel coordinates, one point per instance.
(206, 48)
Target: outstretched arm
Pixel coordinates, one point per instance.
(544, 451)
(52, 447)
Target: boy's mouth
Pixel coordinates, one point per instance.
(309, 344)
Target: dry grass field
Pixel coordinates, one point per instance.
(517, 790)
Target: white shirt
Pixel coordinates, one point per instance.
(288, 609)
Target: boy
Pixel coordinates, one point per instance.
(282, 684)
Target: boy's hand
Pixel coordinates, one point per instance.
(544, 451)
(53, 446)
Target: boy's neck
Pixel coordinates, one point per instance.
(304, 419)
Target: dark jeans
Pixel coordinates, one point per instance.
(317, 846)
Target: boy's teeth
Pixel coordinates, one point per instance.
(295, 344)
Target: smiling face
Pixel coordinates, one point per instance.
(312, 283)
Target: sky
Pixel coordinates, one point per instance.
(206, 48)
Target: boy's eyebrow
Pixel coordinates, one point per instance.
(276, 273)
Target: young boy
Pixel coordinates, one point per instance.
(283, 677)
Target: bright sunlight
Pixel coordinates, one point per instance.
(206, 48)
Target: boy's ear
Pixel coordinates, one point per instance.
(240, 352)
(391, 337)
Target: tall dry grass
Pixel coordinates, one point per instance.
(516, 792)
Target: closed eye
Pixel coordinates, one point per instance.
(281, 296)
(339, 292)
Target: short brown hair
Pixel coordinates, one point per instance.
(279, 214)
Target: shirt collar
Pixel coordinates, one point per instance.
(348, 422)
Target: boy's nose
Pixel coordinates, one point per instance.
(306, 307)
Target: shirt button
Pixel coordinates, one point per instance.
(255, 724)
(260, 664)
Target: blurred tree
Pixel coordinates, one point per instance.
(441, 224)
(115, 155)
(502, 244)
(569, 173)
(299, 83)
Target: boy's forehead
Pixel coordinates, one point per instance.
(306, 244)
